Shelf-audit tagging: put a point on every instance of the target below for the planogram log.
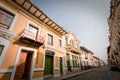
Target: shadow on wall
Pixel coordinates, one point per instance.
(22, 72)
(22, 69)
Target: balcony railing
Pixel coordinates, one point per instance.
(31, 38)
(73, 49)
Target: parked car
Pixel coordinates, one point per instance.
(113, 67)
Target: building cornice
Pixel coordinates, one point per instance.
(4, 33)
(27, 7)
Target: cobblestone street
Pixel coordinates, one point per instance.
(59, 39)
(98, 74)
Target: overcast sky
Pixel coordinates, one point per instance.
(86, 18)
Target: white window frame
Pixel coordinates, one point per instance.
(12, 12)
(2, 46)
(59, 42)
(3, 41)
(33, 24)
(53, 39)
(39, 27)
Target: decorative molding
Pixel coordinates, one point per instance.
(53, 49)
(6, 70)
(4, 33)
(41, 78)
(38, 69)
(7, 33)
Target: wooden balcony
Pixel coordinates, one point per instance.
(72, 49)
(28, 37)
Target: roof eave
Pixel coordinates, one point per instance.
(37, 13)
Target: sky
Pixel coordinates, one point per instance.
(86, 18)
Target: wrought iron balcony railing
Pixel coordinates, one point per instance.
(30, 37)
(72, 48)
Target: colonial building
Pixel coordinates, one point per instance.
(114, 30)
(84, 57)
(90, 59)
(102, 63)
(96, 62)
(73, 59)
(87, 58)
(31, 44)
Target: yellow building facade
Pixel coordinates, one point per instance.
(31, 44)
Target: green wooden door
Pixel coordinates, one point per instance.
(61, 66)
(68, 62)
(48, 65)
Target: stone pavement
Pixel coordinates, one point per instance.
(69, 75)
(102, 73)
(96, 74)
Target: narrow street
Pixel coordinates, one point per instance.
(59, 39)
(98, 74)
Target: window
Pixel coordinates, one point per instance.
(72, 42)
(66, 40)
(77, 61)
(32, 31)
(5, 18)
(60, 43)
(1, 49)
(73, 60)
(50, 40)
(75, 45)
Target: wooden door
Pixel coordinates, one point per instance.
(26, 74)
(48, 65)
(20, 66)
(68, 62)
(61, 65)
(24, 66)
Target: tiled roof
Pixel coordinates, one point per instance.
(37, 13)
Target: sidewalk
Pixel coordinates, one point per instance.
(69, 75)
